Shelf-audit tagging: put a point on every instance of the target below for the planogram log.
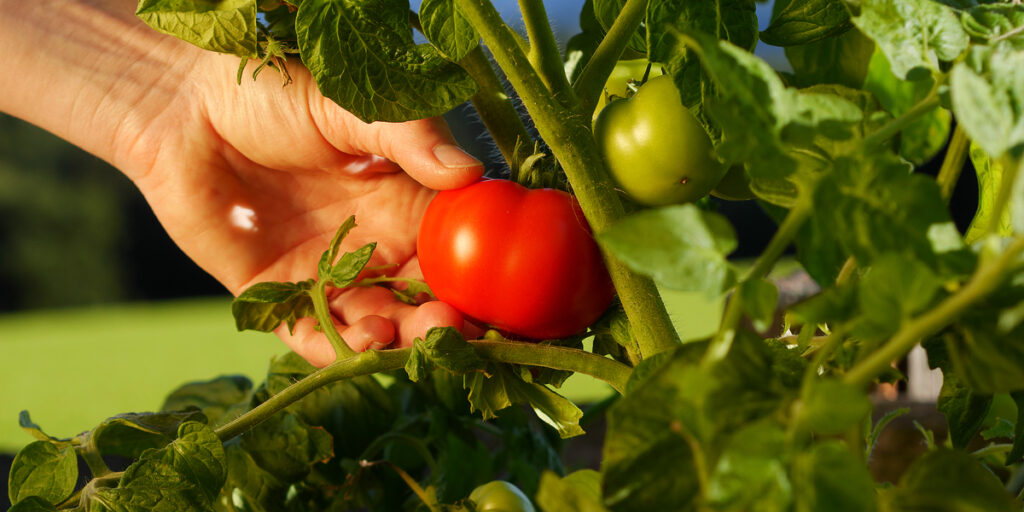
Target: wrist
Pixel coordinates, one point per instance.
(92, 73)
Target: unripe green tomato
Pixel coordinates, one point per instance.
(656, 150)
(618, 82)
(500, 496)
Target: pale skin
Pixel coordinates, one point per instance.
(252, 180)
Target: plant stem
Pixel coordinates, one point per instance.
(722, 340)
(326, 321)
(544, 53)
(614, 373)
(953, 164)
(90, 453)
(590, 83)
(984, 281)
(1011, 169)
(567, 133)
(849, 266)
(930, 101)
(497, 112)
(608, 370)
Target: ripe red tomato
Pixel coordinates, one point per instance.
(521, 260)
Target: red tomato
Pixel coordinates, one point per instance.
(521, 260)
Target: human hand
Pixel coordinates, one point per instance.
(252, 180)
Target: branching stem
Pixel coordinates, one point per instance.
(549, 356)
(590, 83)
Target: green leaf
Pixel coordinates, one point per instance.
(453, 481)
(751, 472)
(501, 387)
(223, 26)
(926, 136)
(131, 434)
(987, 95)
(33, 504)
(796, 22)
(447, 28)
(445, 348)
(25, 422)
(347, 269)
(913, 33)
(354, 411)
(362, 55)
(577, 492)
(761, 119)
(830, 407)
(830, 477)
(964, 409)
(43, 469)
(1017, 452)
(286, 447)
(996, 24)
(876, 431)
(186, 475)
(248, 483)
(734, 21)
(605, 12)
(213, 397)
(760, 298)
(950, 481)
(895, 211)
(264, 306)
(892, 291)
(990, 178)
(841, 59)
(331, 254)
(989, 358)
(680, 247)
(681, 406)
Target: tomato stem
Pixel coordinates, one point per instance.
(722, 340)
(890, 129)
(568, 134)
(953, 163)
(326, 321)
(590, 82)
(544, 53)
(986, 278)
(608, 370)
(497, 112)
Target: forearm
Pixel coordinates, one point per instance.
(90, 72)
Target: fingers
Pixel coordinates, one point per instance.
(376, 320)
(424, 148)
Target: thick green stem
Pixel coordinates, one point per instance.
(953, 164)
(326, 321)
(1011, 170)
(985, 280)
(544, 53)
(930, 101)
(497, 112)
(567, 133)
(549, 356)
(590, 83)
(722, 341)
(615, 374)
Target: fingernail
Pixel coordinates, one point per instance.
(453, 157)
(377, 346)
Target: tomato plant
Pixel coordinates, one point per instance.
(776, 409)
(626, 73)
(500, 496)
(656, 150)
(521, 260)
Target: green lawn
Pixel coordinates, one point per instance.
(72, 368)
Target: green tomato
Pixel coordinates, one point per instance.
(500, 496)
(618, 82)
(655, 148)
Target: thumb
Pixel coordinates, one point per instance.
(424, 148)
